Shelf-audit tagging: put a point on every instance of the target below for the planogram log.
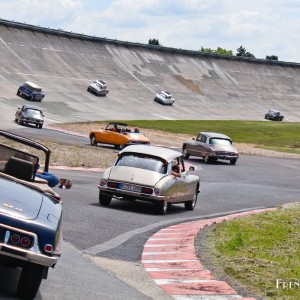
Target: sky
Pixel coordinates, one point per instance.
(262, 27)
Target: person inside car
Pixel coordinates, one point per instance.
(176, 168)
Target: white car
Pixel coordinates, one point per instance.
(98, 87)
(164, 98)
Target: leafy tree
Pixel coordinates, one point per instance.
(272, 57)
(219, 50)
(153, 42)
(241, 51)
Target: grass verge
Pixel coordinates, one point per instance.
(278, 136)
(261, 251)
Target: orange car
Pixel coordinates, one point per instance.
(117, 134)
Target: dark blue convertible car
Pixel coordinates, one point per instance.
(30, 213)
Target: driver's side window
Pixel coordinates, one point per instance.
(202, 138)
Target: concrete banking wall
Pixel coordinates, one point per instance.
(205, 87)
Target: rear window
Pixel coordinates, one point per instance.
(142, 162)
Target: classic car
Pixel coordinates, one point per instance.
(31, 90)
(98, 87)
(164, 98)
(274, 115)
(145, 173)
(118, 135)
(211, 146)
(29, 114)
(30, 213)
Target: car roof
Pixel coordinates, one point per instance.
(215, 135)
(164, 153)
(33, 84)
(32, 107)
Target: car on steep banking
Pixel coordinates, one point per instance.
(31, 90)
(211, 146)
(29, 114)
(164, 98)
(152, 174)
(274, 115)
(98, 87)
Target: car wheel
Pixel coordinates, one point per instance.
(32, 98)
(207, 160)
(190, 205)
(233, 161)
(93, 140)
(104, 199)
(40, 126)
(162, 207)
(18, 92)
(185, 153)
(16, 120)
(30, 280)
(120, 147)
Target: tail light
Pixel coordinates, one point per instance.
(20, 239)
(147, 190)
(112, 184)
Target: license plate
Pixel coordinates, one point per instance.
(130, 187)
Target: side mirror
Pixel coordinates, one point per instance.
(191, 168)
(65, 183)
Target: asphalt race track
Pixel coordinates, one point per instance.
(102, 245)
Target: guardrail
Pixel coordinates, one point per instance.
(82, 36)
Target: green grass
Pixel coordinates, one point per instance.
(260, 249)
(279, 136)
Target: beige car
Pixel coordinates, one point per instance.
(145, 173)
(211, 146)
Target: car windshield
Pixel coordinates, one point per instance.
(142, 162)
(33, 113)
(217, 141)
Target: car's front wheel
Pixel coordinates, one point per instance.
(18, 92)
(93, 140)
(30, 280)
(233, 161)
(162, 207)
(32, 98)
(104, 199)
(190, 205)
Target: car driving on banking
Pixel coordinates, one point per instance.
(274, 115)
(211, 146)
(29, 114)
(145, 173)
(98, 87)
(30, 213)
(31, 90)
(164, 98)
(118, 135)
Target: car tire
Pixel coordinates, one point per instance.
(185, 153)
(16, 120)
(93, 140)
(30, 280)
(190, 205)
(233, 161)
(40, 126)
(162, 207)
(32, 98)
(207, 160)
(104, 199)
(18, 92)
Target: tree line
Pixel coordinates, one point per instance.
(241, 51)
